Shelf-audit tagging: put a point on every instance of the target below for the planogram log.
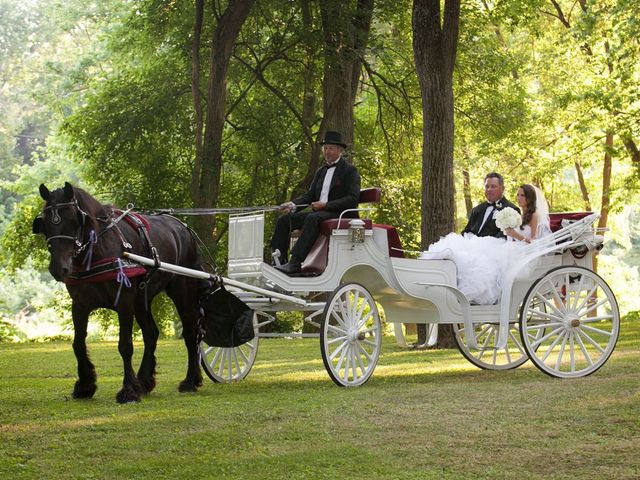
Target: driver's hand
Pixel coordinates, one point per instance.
(315, 206)
(287, 207)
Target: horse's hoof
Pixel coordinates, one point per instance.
(187, 386)
(127, 395)
(146, 384)
(84, 391)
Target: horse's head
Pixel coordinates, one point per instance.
(62, 223)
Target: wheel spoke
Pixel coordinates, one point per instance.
(354, 305)
(539, 313)
(335, 329)
(216, 358)
(554, 343)
(586, 298)
(235, 360)
(242, 354)
(594, 307)
(596, 319)
(364, 320)
(364, 352)
(572, 352)
(596, 330)
(577, 294)
(342, 355)
(339, 320)
(344, 310)
(552, 307)
(583, 348)
(346, 367)
(543, 326)
(354, 367)
(339, 349)
(370, 343)
(562, 308)
(222, 360)
(561, 352)
(595, 344)
(337, 339)
(537, 343)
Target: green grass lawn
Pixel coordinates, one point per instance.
(422, 415)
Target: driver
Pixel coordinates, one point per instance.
(335, 188)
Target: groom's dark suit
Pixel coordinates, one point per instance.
(343, 194)
(489, 229)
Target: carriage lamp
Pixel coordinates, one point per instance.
(356, 230)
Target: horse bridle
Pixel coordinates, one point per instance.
(56, 219)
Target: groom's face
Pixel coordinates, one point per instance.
(493, 190)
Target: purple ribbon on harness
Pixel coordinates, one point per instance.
(93, 239)
(122, 279)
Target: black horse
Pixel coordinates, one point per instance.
(86, 240)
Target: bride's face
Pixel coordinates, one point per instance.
(522, 200)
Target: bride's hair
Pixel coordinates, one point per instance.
(530, 197)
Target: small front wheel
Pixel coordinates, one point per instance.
(224, 365)
(350, 335)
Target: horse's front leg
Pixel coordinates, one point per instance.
(147, 370)
(131, 389)
(85, 386)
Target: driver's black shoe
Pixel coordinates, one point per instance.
(293, 266)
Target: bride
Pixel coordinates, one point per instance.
(482, 261)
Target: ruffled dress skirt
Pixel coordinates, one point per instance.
(481, 263)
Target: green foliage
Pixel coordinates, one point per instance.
(99, 94)
(18, 242)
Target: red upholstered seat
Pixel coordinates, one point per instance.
(555, 219)
(316, 260)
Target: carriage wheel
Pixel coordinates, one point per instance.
(223, 365)
(578, 313)
(350, 335)
(486, 356)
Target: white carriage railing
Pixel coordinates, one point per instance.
(576, 234)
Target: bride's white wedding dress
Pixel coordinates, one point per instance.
(481, 262)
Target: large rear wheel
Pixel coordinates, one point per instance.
(578, 313)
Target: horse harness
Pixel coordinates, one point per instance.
(107, 268)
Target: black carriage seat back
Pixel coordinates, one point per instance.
(316, 260)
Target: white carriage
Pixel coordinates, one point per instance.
(554, 309)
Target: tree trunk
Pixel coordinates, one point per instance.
(466, 191)
(197, 96)
(207, 187)
(434, 49)
(583, 187)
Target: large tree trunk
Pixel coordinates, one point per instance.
(206, 186)
(434, 48)
(197, 96)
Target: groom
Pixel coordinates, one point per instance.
(482, 221)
